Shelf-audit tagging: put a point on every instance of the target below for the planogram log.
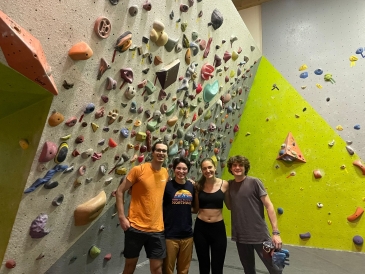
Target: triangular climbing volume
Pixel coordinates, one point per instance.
(290, 150)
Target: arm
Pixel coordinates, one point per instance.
(273, 220)
(123, 187)
(195, 207)
(227, 196)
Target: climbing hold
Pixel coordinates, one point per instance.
(124, 132)
(319, 205)
(358, 240)
(350, 150)
(157, 34)
(207, 71)
(210, 90)
(339, 128)
(71, 122)
(328, 77)
(303, 67)
(290, 151)
(58, 200)
(360, 165)
(61, 153)
(37, 228)
(80, 139)
(168, 74)
(357, 127)
(80, 51)
(55, 119)
(89, 108)
(133, 10)
(102, 27)
(303, 75)
(49, 151)
(103, 66)
(86, 154)
(10, 264)
(305, 235)
(94, 126)
(24, 144)
(280, 210)
(359, 211)
(317, 174)
(216, 19)
(112, 143)
(50, 185)
(90, 210)
(207, 48)
(226, 56)
(183, 26)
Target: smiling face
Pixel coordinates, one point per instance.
(180, 171)
(238, 169)
(208, 169)
(160, 153)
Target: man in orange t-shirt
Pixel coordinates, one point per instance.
(144, 225)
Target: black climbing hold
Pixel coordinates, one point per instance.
(50, 185)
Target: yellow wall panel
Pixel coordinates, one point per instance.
(269, 115)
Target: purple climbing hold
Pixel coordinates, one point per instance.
(304, 236)
(37, 228)
(147, 6)
(358, 240)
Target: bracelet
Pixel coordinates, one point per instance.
(276, 232)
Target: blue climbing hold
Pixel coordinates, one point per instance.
(280, 210)
(303, 75)
(89, 108)
(124, 132)
(318, 71)
(357, 127)
(360, 50)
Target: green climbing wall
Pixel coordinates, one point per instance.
(269, 115)
(23, 111)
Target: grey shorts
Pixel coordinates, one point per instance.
(154, 244)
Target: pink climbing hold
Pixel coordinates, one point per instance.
(108, 256)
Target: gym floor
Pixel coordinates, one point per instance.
(303, 260)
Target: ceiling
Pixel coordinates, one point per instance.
(244, 4)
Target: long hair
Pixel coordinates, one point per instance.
(201, 182)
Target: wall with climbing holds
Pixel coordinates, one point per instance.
(317, 191)
(126, 74)
(325, 42)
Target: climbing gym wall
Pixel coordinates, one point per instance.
(126, 74)
(318, 194)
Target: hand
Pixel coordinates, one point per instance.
(124, 223)
(276, 240)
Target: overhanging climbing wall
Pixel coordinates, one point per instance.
(108, 97)
(318, 206)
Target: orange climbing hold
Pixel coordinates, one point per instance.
(359, 211)
(24, 53)
(290, 150)
(360, 165)
(80, 51)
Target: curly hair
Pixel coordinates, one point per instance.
(241, 160)
(179, 160)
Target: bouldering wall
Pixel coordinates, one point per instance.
(319, 199)
(190, 92)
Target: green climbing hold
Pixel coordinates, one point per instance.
(208, 115)
(150, 88)
(210, 90)
(170, 110)
(152, 125)
(94, 251)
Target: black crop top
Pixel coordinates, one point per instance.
(211, 200)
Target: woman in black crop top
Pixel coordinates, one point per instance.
(209, 231)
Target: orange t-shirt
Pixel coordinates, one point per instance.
(145, 210)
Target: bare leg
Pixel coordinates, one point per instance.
(130, 265)
(155, 266)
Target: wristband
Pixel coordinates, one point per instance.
(276, 232)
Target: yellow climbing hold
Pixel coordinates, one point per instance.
(234, 55)
(339, 128)
(232, 74)
(24, 144)
(318, 85)
(303, 67)
(329, 222)
(353, 59)
(94, 126)
(64, 138)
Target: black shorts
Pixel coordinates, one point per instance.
(153, 242)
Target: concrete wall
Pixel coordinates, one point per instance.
(58, 26)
